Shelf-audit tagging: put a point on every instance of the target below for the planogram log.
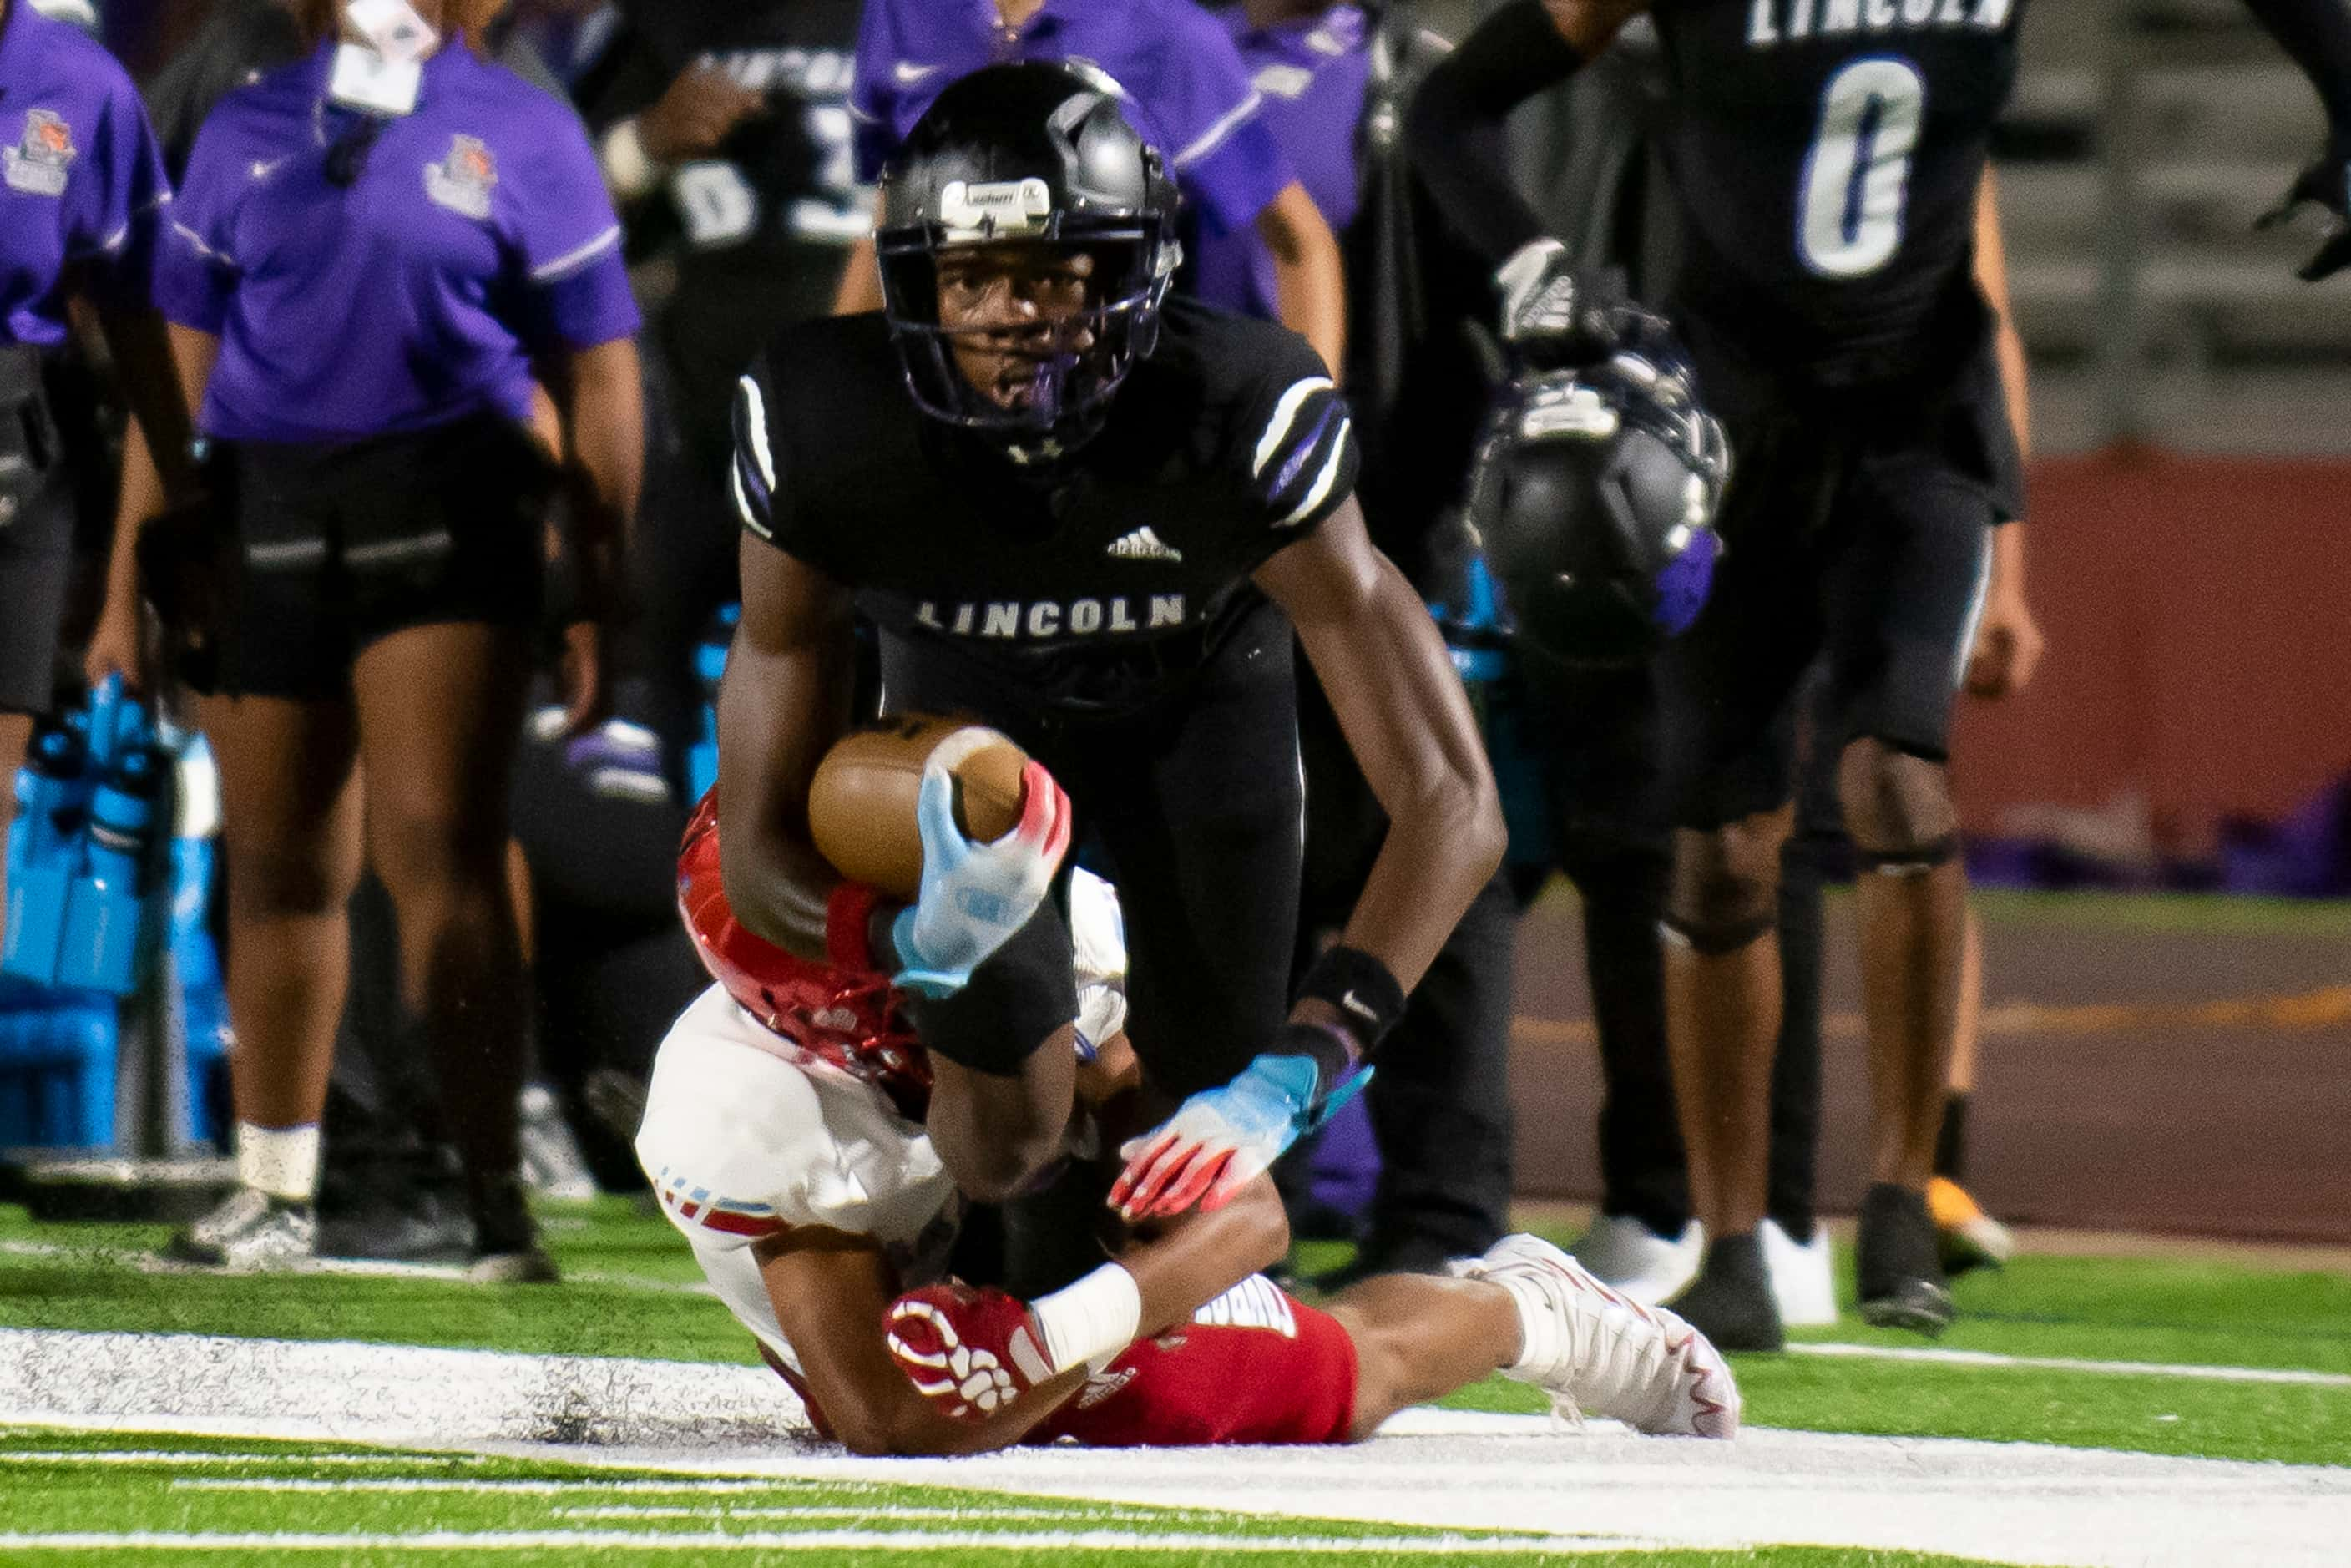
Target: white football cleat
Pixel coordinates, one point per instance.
(1635, 1262)
(1801, 1279)
(1598, 1353)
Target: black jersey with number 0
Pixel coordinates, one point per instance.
(1827, 154)
(1098, 589)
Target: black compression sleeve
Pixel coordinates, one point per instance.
(1455, 127)
(2318, 34)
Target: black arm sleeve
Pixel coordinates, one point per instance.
(1454, 129)
(2318, 34)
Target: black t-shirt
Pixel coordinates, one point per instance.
(1827, 154)
(759, 229)
(1100, 589)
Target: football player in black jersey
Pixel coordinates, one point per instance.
(722, 128)
(1827, 155)
(1084, 527)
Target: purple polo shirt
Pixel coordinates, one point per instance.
(82, 190)
(1311, 73)
(478, 232)
(1187, 90)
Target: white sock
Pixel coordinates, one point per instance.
(280, 1161)
(1097, 1316)
(1539, 1334)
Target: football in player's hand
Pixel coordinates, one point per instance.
(862, 805)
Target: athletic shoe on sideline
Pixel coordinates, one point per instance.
(1966, 1237)
(1730, 1301)
(552, 1165)
(1803, 1282)
(250, 1231)
(1598, 1353)
(1627, 1256)
(1899, 1276)
(506, 1238)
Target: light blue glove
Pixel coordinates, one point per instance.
(1222, 1139)
(975, 896)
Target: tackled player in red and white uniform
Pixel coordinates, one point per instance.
(783, 1132)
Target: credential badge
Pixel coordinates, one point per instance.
(37, 165)
(463, 181)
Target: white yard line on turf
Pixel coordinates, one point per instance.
(145, 1262)
(890, 1512)
(721, 1425)
(705, 1542)
(2074, 1364)
(181, 1457)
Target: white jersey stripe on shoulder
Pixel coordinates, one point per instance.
(755, 426)
(1285, 414)
(1208, 141)
(751, 519)
(1325, 479)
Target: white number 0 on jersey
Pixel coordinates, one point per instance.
(1858, 173)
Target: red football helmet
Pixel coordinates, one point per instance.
(850, 1020)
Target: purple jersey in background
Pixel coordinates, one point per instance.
(1190, 95)
(81, 183)
(1311, 73)
(478, 233)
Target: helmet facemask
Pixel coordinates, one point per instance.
(1024, 337)
(1030, 178)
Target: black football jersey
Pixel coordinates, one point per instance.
(1100, 588)
(1827, 154)
(760, 229)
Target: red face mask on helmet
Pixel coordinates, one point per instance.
(848, 1020)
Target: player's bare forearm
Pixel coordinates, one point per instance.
(1408, 721)
(141, 345)
(1310, 280)
(832, 1291)
(783, 703)
(1991, 277)
(605, 416)
(1182, 1264)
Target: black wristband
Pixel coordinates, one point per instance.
(1366, 996)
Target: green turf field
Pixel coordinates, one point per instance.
(231, 1502)
(628, 1293)
(110, 1497)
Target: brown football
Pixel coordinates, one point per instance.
(862, 807)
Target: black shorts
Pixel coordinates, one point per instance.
(1192, 806)
(35, 568)
(1856, 527)
(329, 549)
(36, 516)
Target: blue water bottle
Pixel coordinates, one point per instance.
(105, 909)
(53, 790)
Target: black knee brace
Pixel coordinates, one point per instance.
(1898, 808)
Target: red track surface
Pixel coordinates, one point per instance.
(2112, 1093)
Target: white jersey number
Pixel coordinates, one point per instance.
(1857, 176)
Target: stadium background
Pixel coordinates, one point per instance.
(2189, 729)
(2165, 1050)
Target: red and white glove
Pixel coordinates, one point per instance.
(974, 1351)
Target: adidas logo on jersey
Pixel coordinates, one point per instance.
(1143, 545)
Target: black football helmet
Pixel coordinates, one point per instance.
(1029, 154)
(1594, 495)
